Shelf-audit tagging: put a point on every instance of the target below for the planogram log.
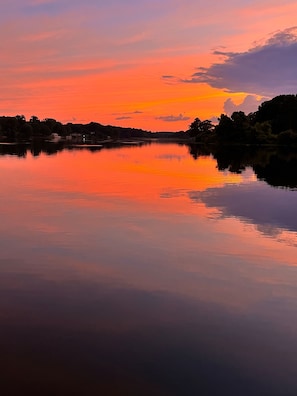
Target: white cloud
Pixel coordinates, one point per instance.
(248, 105)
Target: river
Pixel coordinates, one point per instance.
(146, 270)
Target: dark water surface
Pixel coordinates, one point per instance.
(142, 271)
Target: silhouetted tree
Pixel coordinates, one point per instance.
(280, 111)
(200, 130)
(225, 129)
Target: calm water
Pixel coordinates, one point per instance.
(145, 271)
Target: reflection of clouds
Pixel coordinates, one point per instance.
(269, 209)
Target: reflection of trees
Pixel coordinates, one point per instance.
(233, 159)
(38, 147)
(20, 150)
(280, 171)
(197, 150)
(276, 166)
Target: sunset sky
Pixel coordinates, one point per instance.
(147, 64)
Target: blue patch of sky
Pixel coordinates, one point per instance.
(49, 8)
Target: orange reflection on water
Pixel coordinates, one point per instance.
(125, 215)
(134, 173)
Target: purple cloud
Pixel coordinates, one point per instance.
(129, 112)
(267, 69)
(127, 116)
(172, 118)
(123, 118)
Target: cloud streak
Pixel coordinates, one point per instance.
(173, 118)
(129, 115)
(268, 69)
(123, 118)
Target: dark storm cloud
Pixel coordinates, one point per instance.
(266, 69)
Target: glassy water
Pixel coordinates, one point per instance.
(147, 271)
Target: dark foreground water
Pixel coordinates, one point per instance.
(145, 271)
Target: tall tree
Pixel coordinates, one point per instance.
(200, 130)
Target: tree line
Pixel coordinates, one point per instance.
(18, 129)
(275, 122)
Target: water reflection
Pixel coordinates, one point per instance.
(87, 338)
(256, 203)
(139, 271)
(276, 166)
